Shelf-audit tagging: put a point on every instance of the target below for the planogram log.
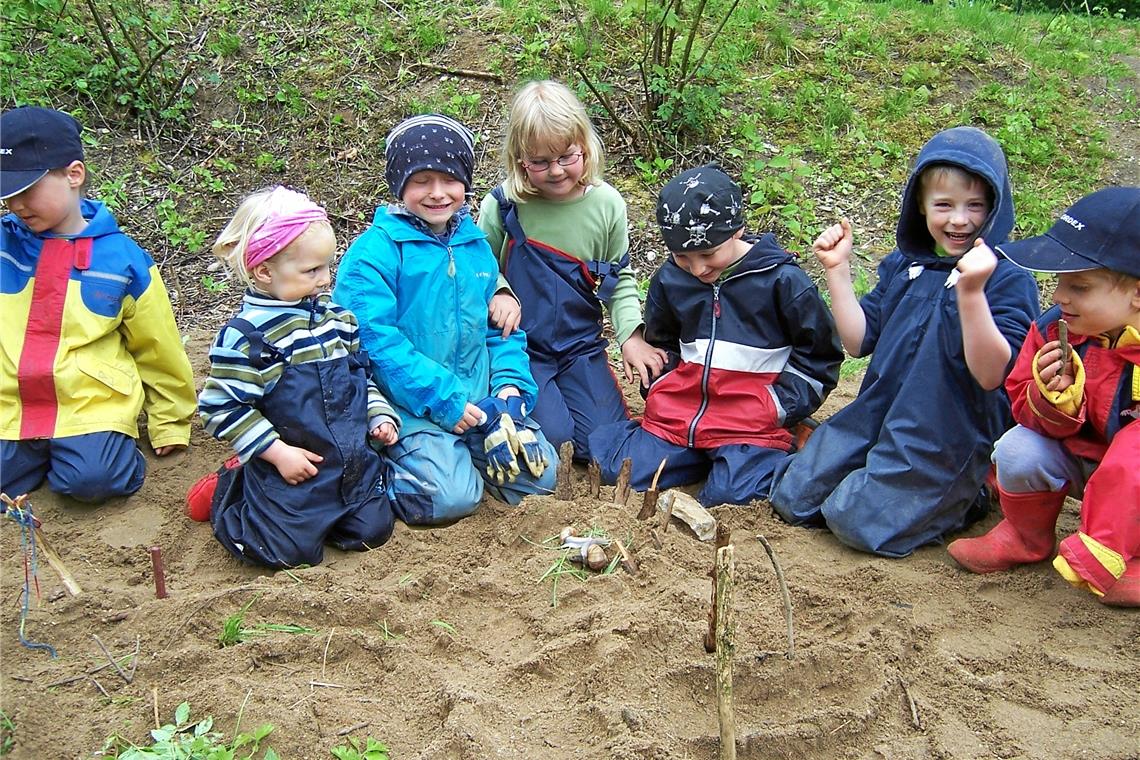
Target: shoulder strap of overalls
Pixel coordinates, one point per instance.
(261, 353)
(509, 216)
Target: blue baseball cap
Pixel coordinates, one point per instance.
(33, 141)
(1100, 231)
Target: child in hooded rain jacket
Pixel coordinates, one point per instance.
(904, 463)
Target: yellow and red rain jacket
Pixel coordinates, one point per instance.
(87, 337)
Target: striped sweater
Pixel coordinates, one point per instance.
(309, 330)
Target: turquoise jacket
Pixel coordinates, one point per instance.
(422, 307)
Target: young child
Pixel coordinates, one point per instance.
(757, 351)
(562, 239)
(904, 463)
(289, 389)
(1076, 408)
(421, 280)
(87, 337)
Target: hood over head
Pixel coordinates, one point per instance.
(975, 151)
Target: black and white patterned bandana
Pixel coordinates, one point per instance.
(429, 141)
(699, 208)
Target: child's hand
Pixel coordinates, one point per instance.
(1054, 371)
(833, 246)
(161, 451)
(386, 433)
(975, 267)
(505, 313)
(296, 465)
(472, 416)
(641, 358)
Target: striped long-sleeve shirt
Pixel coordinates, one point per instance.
(309, 330)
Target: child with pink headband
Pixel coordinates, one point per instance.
(289, 389)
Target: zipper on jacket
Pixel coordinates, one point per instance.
(707, 369)
(455, 362)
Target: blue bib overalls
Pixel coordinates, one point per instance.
(321, 406)
(561, 298)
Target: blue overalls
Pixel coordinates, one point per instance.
(323, 407)
(561, 298)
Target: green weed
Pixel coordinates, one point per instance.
(372, 750)
(191, 739)
(235, 631)
(7, 734)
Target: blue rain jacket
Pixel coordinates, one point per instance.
(903, 464)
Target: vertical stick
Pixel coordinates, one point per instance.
(649, 501)
(722, 536)
(783, 594)
(621, 486)
(159, 571)
(666, 510)
(564, 484)
(725, 631)
(594, 473)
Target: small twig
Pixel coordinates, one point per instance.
(621, 485)
(628, 563)
(99, 686)
(470, 73)
(325, 657)
(349, 729)
(66, 681)
(135, 658)
(324, 685)
(594, 477)
(564, 482)
(649, 500)
(723, 536)
(154, 704)
(114, 664)
(914, 719)
(159, 572)
(783, 593)
(667, 512)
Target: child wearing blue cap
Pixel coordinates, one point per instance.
(1076, 403)
(88, 338)
(420, 279)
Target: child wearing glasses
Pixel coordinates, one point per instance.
(561, 237)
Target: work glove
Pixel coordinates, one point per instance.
(526, 443)
(500, 440)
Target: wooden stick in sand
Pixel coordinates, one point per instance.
(722, 536)
(564, 483)
(649, 500)
(159, 571)
(621, 485)
(725, 630)
(44, 547)
(628, 563)
(594, 476)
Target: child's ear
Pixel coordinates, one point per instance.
(76, 174)
(261, 274)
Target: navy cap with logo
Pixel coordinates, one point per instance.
(699, 209)
(33, 141)
(1100, 231)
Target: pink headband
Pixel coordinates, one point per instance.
(292, 214)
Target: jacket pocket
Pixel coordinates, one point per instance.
(114, 377)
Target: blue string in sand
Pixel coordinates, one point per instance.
(23, 517)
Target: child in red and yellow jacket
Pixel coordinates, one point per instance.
(1076, 408)
(87, 334)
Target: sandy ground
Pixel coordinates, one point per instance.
(447, 643)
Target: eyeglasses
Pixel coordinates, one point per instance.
(568, 159)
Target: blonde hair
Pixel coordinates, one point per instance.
(231, 244)
(545, 114)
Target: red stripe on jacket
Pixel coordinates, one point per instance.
(36, 373)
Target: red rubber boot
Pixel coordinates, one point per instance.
(200, 497)
(1126, 591)
(1027, 534)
